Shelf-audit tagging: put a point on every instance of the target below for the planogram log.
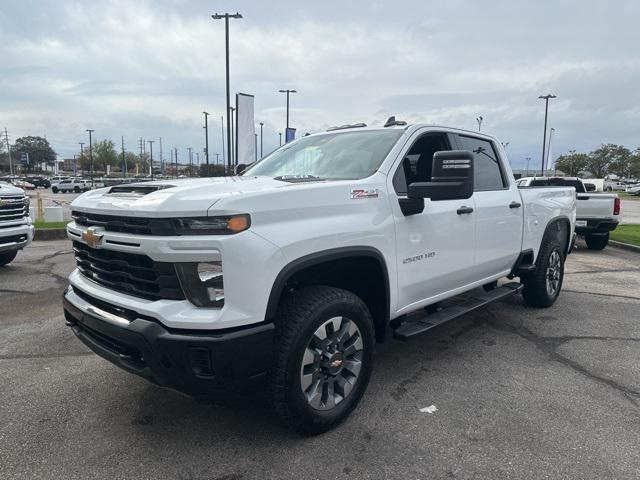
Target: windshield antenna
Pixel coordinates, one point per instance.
(391, 121)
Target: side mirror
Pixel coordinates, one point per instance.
(451, 177)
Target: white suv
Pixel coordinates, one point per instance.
(68, 185)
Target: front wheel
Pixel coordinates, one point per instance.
(597, 242)
(7, 257)
(54, 189)
(323, 357)
(542, 286)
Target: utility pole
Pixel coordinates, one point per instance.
(544, 136)
(190, 162)
(217, 156)
(151, 142)
(176, 157)
(81, 158)
(261, 143)
(479, 119)
(287, 91)
(256, 147)
(90, 130)
(141, 143)
(124, 160)
(233, 156)
(6, 138)
(222, 129)
(198, 164)
(161, 161)
(226, 17)
(206, 140)
(528, 159)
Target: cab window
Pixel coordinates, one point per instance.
(418, 161)
(488, 174)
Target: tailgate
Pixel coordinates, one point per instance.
(595, 205)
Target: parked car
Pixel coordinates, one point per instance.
(615, 186)
(634, 190)
(289, 274)
(69, 185)
(58, 178)
(16, 230)
(597, 214)
(39, 181)
(23, 184)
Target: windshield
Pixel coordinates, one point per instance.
(332, 156)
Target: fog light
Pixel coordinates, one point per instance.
(202, 283)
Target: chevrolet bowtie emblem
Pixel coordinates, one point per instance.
(336, 364)
(3, 202)
(91, 237)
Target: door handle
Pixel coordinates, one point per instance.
(515, 205)
(463, 210)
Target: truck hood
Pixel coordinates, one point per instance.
(182, 197)
(7, 189)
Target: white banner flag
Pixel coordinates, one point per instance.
(245, 130)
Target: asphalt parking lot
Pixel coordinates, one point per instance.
(520, 393)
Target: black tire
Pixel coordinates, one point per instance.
(7, 257)
(76, 189)
(300, 316)
(597, 242)
(536, 292)
(54, 189)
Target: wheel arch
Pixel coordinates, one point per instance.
(360, 270)
(560, 227)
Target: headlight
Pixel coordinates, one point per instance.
(27, 202)
(202, 283)
(225, 225)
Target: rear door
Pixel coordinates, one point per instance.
(498, 209)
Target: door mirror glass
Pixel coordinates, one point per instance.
(451, 178)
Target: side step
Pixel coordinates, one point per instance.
(470, 303)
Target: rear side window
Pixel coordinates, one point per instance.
(487, 172)
(559, 182)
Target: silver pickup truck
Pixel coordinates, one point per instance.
(597, 214)
(16, 230)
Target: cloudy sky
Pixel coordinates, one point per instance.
(149, 68)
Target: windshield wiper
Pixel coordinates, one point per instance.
(297, 178)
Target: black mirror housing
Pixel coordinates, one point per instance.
(451, 178)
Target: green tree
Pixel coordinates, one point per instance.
(634, 164)
(37, 148)
(572, 164)
(600, 160)
(620, 160)
(104, 153)
(132, 160)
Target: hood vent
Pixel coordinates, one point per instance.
(136, 190)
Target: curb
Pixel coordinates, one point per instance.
(625, 246)
(50, 234)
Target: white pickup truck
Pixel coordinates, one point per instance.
(289, 274)
(16, 230)
(597, 214)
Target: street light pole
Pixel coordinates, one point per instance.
(81, 158)
(206, 140)
(90, 130)
(190, 162)
(226, 17)
(544, 135)
(528, 159)
(151, 142)
(280, 134)
(261, 143)
(479, 119)
(233, 155)
(287, 92)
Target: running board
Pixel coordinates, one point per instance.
(473, 302)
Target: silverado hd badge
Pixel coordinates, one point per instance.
(357, 193)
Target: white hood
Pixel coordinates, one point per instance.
(8, 189)
(182, 197)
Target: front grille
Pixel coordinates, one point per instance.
(134, 225)
(13, 207)
(128, 273)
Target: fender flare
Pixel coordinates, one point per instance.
(556, 220)
(317, 258)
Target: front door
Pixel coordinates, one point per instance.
(435, 248)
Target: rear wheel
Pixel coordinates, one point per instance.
(323, 357)
(54, 189)
(597, 242)
(543, 285)
(76, 189)
(7, 257)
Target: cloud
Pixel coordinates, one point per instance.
(148, 69)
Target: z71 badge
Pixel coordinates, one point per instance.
(357, 193)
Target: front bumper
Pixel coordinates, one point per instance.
(202, 364)
(595, 226)
(15, 237)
